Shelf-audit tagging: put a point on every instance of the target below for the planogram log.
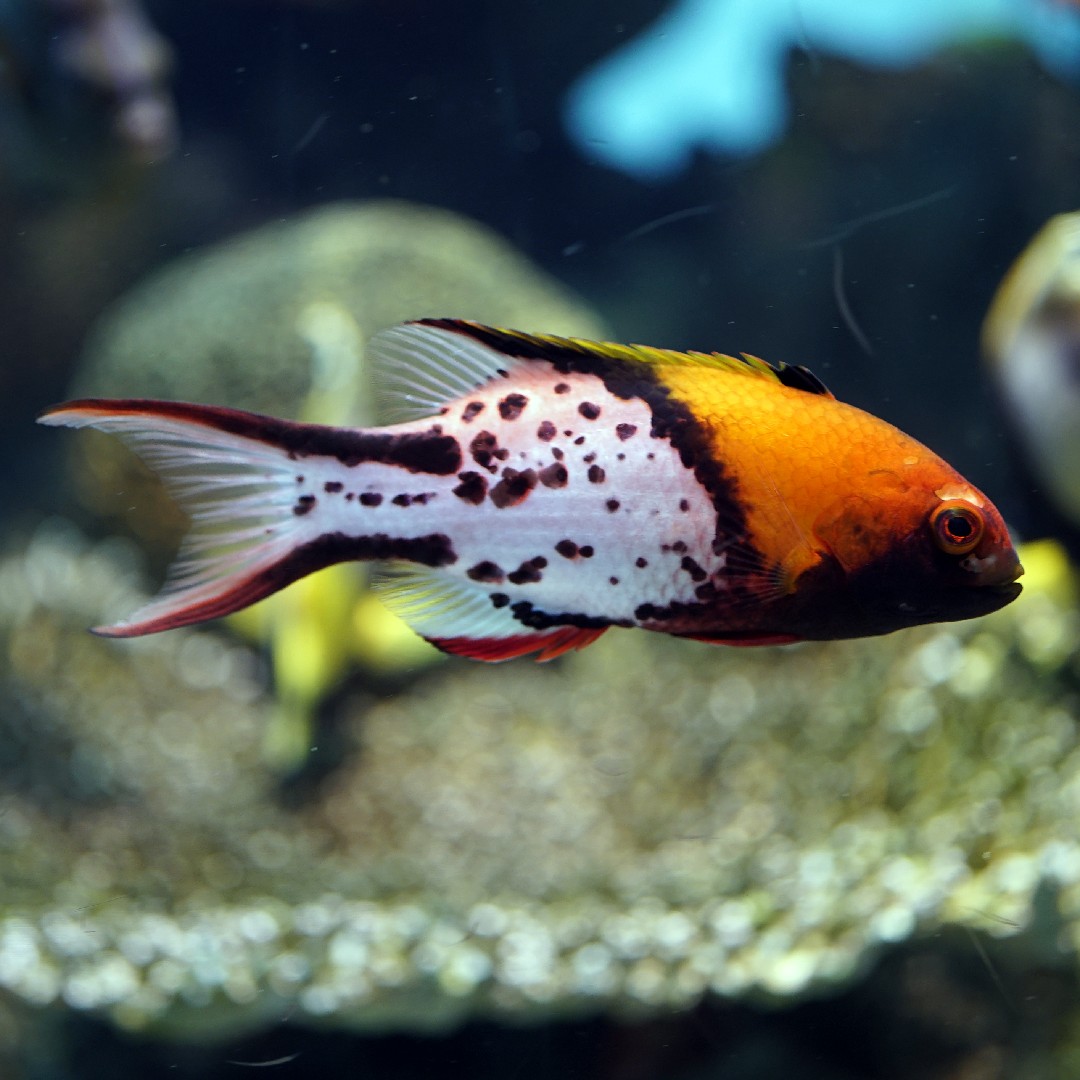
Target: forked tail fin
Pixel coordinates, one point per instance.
(242, 481)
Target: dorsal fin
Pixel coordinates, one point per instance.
(420, 366)
(801, 378)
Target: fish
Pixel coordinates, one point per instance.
(532, 491)
(1031, 345)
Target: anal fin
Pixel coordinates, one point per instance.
(549, 644)
(460, 618)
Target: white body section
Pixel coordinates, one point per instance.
(629, 507)
(565, 512)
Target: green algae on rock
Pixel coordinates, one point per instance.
(633, 827)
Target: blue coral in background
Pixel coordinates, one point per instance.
(710, 73)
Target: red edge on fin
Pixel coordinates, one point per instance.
(749, 639)
(262, 583)
(548, 646)
(242, 595)
(236, 421)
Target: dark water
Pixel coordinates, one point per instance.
(865, 243)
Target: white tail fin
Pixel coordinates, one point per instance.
(236, 477)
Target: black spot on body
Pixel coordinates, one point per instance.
(613, 581)
(499, 599)
(482, 448)
(625, 431)
(567, 549)
(304, 505)
(562, 388)
(350, 495)
(693, 569)
(471, 411)
(513, 488)
(546, 431)
(528, 573)
(332, 487)
(511, 406)
(641, 562)
(408, 500)
(473, 488)
(596, 474)
(612, 505)
(586, 551)
(684, 505)
(556, 453)
(486, 571)
(370, 498)
(579, 440)
(589, 458)
(553, 476)
(589, 410)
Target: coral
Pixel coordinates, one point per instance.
(632, 827)
(710, 73)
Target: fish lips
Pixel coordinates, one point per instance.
(969, 602)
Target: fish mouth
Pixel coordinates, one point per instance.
(969, 603)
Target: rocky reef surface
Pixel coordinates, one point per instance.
(632, 827)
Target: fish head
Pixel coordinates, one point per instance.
(908, 553)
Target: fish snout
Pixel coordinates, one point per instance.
(1000, 566)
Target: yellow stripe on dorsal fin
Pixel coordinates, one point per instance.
(525, 346)
(421, 366)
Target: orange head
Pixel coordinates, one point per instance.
(923, 549)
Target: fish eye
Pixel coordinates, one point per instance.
(957, 527)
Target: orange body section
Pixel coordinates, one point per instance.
(808, 466)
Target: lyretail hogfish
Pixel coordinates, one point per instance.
(538, 490)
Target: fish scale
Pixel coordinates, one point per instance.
(539, 490)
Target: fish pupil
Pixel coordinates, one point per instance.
(958, 526)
